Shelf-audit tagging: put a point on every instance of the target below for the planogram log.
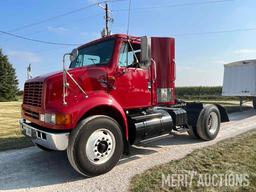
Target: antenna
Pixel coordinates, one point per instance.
(108, 18)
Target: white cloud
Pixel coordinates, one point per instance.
(24, 56)
(57, 29)
(245, 51)
(221, 62)
(93, 1)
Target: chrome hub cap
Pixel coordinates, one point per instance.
(100, 146)
(213, 123)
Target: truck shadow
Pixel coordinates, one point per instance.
(237, 116)
(31, 167)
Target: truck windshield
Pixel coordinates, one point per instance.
(96, 54)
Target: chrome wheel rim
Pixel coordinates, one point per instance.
(212, 123)
(100, 146)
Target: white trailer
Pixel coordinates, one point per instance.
(240, 80)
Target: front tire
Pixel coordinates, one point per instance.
(208, 123)
(95, 145)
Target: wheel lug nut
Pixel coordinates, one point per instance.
(106, 139)
(98, 154)
(95, 150)
(109, 143)
(103, 138)
(109, 149)
(102, 155)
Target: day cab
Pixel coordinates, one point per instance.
(117, 91)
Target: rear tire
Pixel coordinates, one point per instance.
(193, 133)
(95, 145)
(208, 123)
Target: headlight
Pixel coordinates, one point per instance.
(56, 119)
(48, 118)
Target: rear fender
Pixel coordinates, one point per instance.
(194, 110)
(223, 113)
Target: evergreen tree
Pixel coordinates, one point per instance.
(8, 80)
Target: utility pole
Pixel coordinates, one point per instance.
(108, 18)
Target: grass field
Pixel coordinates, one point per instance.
(233, 156)
(10, 136)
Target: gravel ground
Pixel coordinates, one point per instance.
(31, 169)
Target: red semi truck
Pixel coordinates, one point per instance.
(117, 91)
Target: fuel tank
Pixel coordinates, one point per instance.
(149, 123)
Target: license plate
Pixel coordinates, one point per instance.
(28, 132)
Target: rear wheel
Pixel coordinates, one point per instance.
(96, 145)
(193, 132)
(208, 123)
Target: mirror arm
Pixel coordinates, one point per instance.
(65, 84)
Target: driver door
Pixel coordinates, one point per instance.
(132, 85)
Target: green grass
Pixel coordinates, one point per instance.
(10, 136)
(236, 155)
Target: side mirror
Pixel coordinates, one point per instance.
(73, 55)
(145, 56)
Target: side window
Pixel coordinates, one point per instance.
(130, 54)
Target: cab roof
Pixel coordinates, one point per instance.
(116, 36)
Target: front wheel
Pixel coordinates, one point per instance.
(95, 146)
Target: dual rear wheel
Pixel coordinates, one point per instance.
(208, 124)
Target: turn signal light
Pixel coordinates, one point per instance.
(63, 119)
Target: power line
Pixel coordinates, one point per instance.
(215, 32)
(61, 15)
(60, 25)
(175, 5)
(38, 41)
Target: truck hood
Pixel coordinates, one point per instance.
(90, 78)
(77, 73)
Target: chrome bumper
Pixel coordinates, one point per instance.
(54, 141)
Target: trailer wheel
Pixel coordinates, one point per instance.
(254, 102)
(208, 124)
(95, 145)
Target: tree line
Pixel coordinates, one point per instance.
(8, 79)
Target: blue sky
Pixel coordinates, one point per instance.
(199, 58)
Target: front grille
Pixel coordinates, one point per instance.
(33, 93)
(32, 114)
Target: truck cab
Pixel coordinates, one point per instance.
(117, 91)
